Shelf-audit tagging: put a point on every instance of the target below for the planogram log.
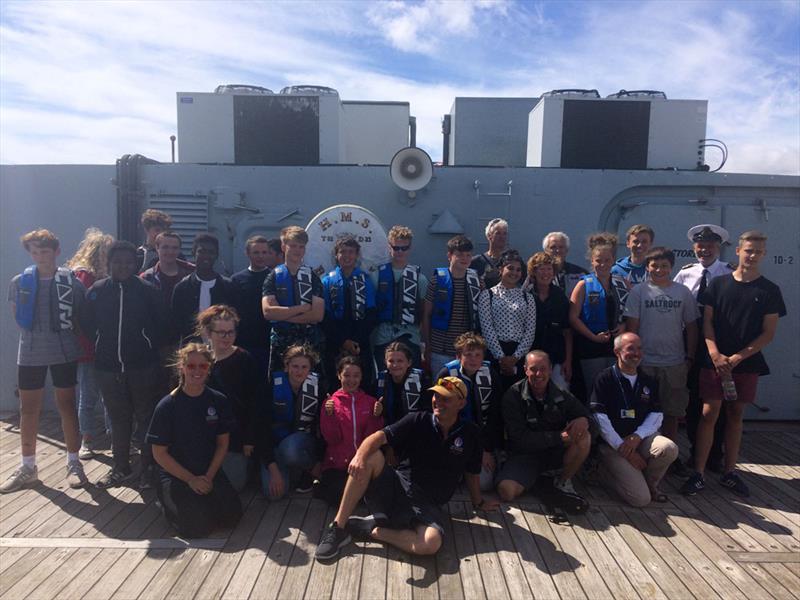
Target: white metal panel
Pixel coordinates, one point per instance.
(373, 131)
(545, 124)
(205, 128)
(676, 128)
(329, 130)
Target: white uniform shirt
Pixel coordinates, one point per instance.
(691, 274)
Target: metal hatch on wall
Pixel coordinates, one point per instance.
(671, 211)
(189, 214)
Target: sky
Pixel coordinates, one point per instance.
(86, 82)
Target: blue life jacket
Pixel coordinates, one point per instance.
(478, 399)
(61, 307)
(398, 303)
(362, 294)
(283, 409)
(284, 288)
(593, 310)
(411, 401)
(443, 301)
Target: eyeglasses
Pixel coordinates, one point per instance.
(400, 248)
(224, 333)
(450, 386)
(197, 366)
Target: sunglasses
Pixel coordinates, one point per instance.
(224, 333)
(197, 367)
(450, 386)
(400, 248)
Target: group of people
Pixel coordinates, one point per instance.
(390, 387)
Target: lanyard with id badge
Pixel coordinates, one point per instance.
(630, 413)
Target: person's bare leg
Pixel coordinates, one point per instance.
(422, 540)
(575, 455)
(355, 489)
(508, 490)
(733, 433)
(705, 434)
(30, 407)
(65, 403)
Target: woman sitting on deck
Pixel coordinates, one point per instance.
(189, 433)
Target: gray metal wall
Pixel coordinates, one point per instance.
(63, 198)
(537, 201)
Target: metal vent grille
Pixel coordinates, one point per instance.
(189, 215)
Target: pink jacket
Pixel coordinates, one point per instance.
(343, 430)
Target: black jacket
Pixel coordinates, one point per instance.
(126, 320)
(186, 299)
(533, 426)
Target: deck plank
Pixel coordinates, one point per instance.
(301, 562)
(784, 576)
(494, 580)
(87, 579)
(447, 563)
(72, 567)
(559, 564)
(270, 577)
(471, 580)
(534, 568)
(40, 572)
(168, 575)
(246, 572)
(666, 580)
(767, 581)
(320, 582)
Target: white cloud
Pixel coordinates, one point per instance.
(87, 82)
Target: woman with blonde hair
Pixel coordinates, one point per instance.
(88, 264)
(596, 307)
(189, 434)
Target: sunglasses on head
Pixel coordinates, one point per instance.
(450, 386)
(400, 248)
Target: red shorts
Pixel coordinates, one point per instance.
(711, 386)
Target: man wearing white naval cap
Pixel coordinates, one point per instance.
(706, 242)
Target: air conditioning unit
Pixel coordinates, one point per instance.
(631, 130)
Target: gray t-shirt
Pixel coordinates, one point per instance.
(43, 346)
(662, 314)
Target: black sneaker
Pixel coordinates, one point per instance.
(333, 540)
(693, 485)
(361, 527)
(734, 483)
(678, 468)
(306, 483)
(113, 478)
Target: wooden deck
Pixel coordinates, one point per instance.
(62, 543)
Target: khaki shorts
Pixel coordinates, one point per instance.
(672, 391)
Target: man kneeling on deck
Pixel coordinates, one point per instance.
(625, 402)
(406, 502)
(548, 429)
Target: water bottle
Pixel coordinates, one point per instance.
(729, 388)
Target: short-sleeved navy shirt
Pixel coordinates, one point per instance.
(189, 427)
(434, 463)
(739, 311)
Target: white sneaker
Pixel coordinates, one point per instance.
(86, 452)
(23, 477)
(76, 478)
(565, 486)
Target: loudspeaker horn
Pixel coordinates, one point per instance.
(411, 169)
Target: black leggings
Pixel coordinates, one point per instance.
(195, 515)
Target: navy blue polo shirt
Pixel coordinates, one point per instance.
(188, 426)
(435, 463)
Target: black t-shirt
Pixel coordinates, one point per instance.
(238, 378)
(434, 463)
(739, 311)
(626, 406)
(189, 427)
(552, 318)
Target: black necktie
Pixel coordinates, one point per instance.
(703, 284)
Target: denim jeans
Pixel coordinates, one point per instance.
(297, 452)
(88, 395)
(235, 467)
